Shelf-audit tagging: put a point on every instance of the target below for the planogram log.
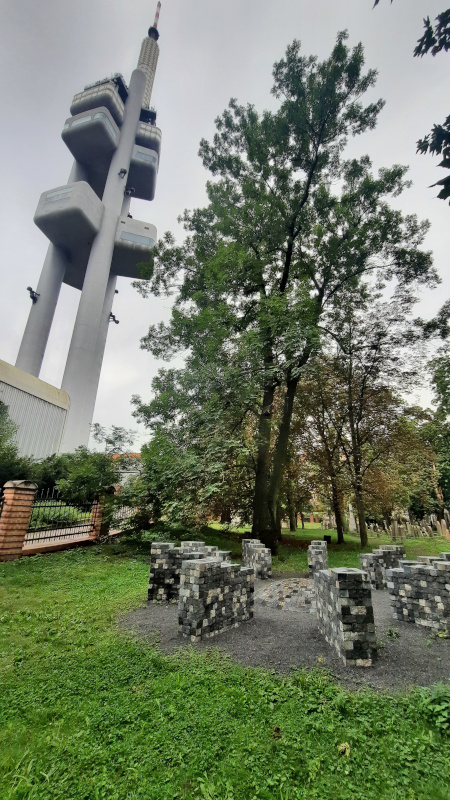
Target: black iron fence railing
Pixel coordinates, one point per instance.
(120, 516)
(2, 500)
(52, 517)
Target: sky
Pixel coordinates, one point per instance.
(211, 50)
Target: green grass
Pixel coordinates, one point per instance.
(87, 713)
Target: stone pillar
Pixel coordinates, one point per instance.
(345, 614)
(317, 556)
(15, 518)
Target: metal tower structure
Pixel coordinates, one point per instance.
(116, 145)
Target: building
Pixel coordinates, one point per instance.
(93, 239)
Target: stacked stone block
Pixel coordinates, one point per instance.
(419, 592)
(376, 563)
(371, 563)
(258, 557)
(214, 596)
(345, 614)
(317, 556)
(165, 566)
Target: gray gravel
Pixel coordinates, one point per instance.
(283, 640)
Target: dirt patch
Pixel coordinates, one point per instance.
(283, 638)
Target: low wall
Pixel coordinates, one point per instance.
(376, 563)
(317, 556)
(165, 566)
(214, 596)
(420, 592)
(345, 614)
(258, 557)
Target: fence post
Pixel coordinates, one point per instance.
(96, 518)
(100, 518)
(15, 518)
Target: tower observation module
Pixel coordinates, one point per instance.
(116, 145)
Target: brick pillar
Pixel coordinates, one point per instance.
(96, 518)
(15, 518)
(100, 516)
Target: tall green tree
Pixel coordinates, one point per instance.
(277, 245)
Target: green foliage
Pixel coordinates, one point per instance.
(436, 707)
(88, 475)
(109, 717)
(47, 472)
(115, 440)
(261, 269)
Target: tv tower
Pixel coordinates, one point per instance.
(116, 145)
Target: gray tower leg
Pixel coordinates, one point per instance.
(91, 392)
(35, 337)
(82, 353)
(34, 340)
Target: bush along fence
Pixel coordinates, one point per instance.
(32, 521)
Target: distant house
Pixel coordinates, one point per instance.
(130, 465)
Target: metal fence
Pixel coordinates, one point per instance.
(120, 516)
(54, 518)
(2, 500)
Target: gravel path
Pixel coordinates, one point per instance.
(283, 635)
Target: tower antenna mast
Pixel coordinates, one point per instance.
(158, 9)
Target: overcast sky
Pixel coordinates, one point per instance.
(211, 50)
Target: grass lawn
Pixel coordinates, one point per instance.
(86, 713)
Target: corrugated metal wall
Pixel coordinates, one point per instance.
(40, 424)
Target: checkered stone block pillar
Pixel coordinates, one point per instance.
(345, 614)
(317, 556)
(420, 593)
(258, 557)
(214, 595)
(376, 563)
(371, 563)
(165, 566)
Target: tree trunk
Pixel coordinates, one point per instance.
(337, 510)
(281, 449)
(292, 514)
(361, 514)
(357, 483)
(261, 519)
(302, 519)
(225, 516)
